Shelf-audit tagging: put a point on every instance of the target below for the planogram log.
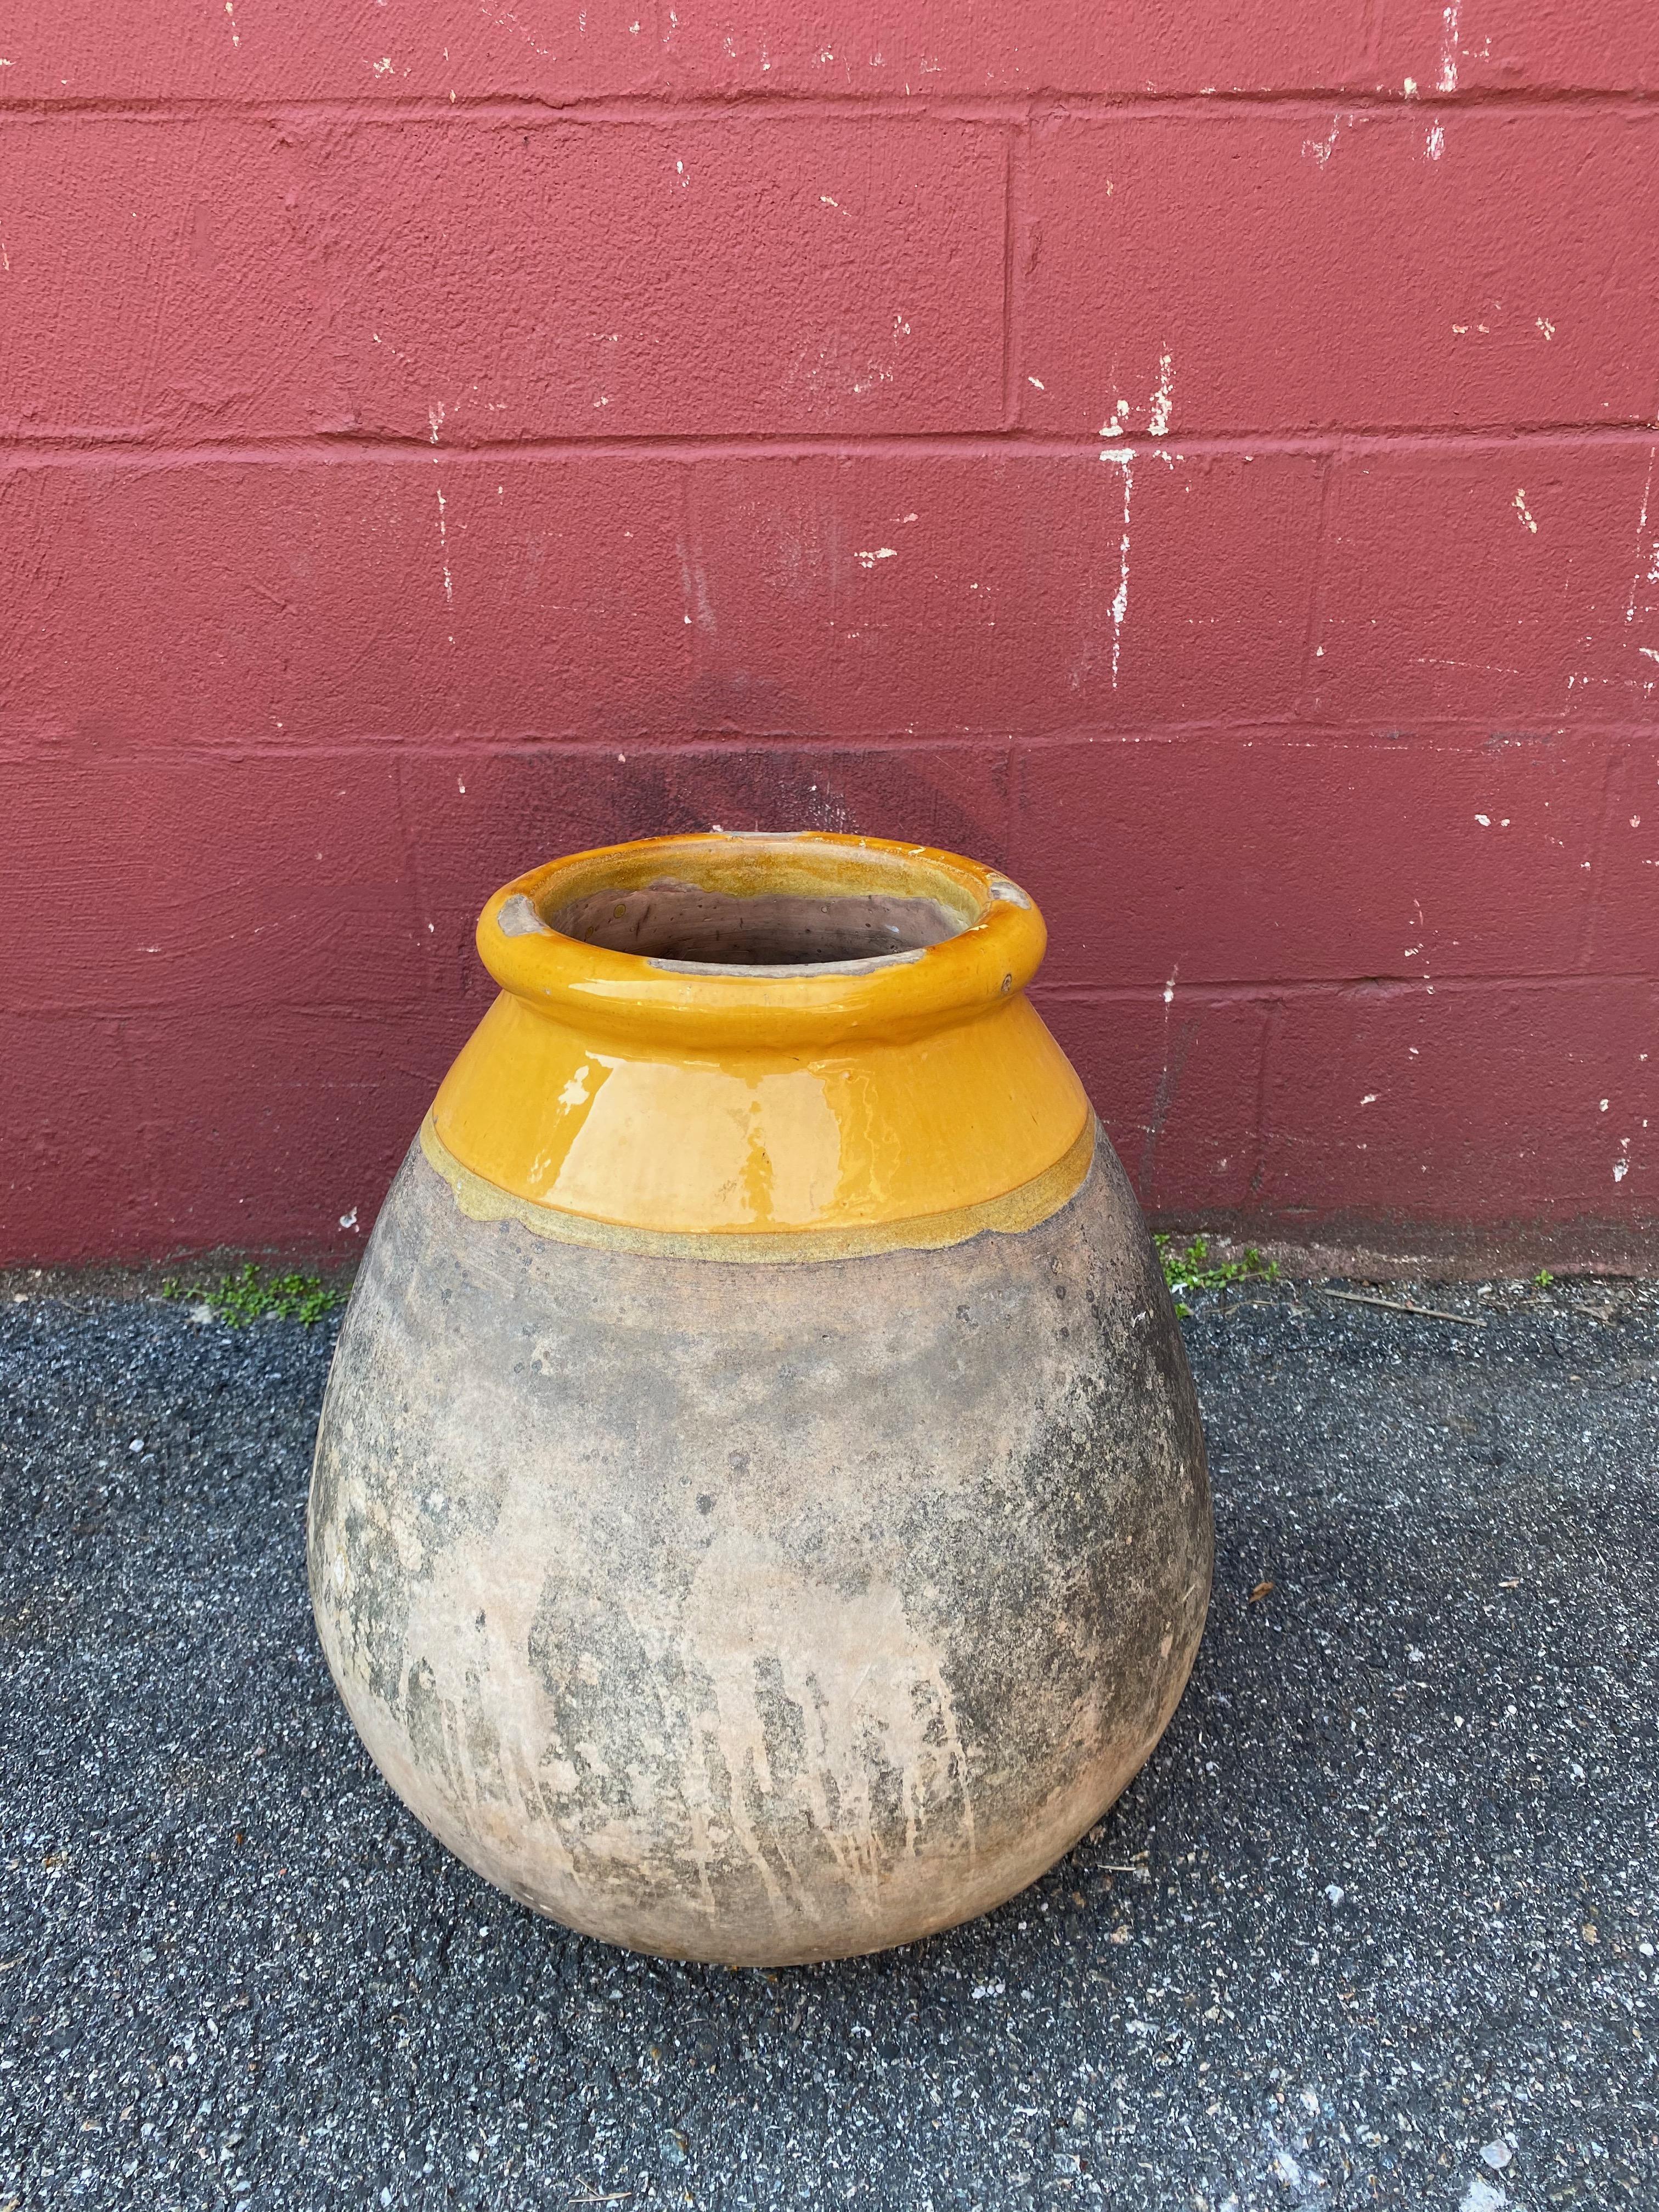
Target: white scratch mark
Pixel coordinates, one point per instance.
(235, 40)
(1545, 324)
(1485, 820)
(1650, 651)
(1158, 422)
(879, 553)
(1449, 16)
(1435, 145)
(506, 15)
(1522, 510)
(1370, 1098)
(1320, 149)
(1621, 1170)
(443, 547)
(383, 65)
(1038, 382)
(434, 416)
(1120, 597)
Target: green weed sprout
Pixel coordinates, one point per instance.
(1194, 1270)
(241, 1298)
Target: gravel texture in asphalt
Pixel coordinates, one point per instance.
(1375, 1926)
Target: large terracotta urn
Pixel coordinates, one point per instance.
(760, 1511)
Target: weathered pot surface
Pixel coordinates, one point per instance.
(760, 1512)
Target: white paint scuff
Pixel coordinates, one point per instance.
(235, 40)
(1320, 149)
(443, 547)
(1435, 145)
(1125, 457)
(1523, 510)
(1160, 404)
(1158, 422)
(1451, 17)
(876, 553)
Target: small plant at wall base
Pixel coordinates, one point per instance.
(241, 1298)
(1194, 1270)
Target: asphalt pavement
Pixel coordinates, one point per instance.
(1374, 1927)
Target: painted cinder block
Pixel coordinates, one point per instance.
(568, 51)
(158, 282)
(874, 48)
(483, 278)
(1520, 46)
(281, 1127)
(1496, 582)
(1414, 266)
(1255, 857)
(565, 51)
(1622, 937)
(134, 882)
(999, 593)
(287, 601)
(263, 51)
(77, 1182)
(1470, 1102)
(1176, 1083)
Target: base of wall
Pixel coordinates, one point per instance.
(1446, 1252)
(1335, 1250)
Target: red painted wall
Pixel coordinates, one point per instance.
(1201, 458)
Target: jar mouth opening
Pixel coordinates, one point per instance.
(779, 936)
(691, 928)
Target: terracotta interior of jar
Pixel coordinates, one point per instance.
(680, 921)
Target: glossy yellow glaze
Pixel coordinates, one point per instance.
(764, 1103)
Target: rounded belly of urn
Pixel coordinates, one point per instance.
(759, 1512)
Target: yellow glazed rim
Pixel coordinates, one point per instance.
(999, 948)
(908, 1099)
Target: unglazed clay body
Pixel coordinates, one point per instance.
(763, 1518)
